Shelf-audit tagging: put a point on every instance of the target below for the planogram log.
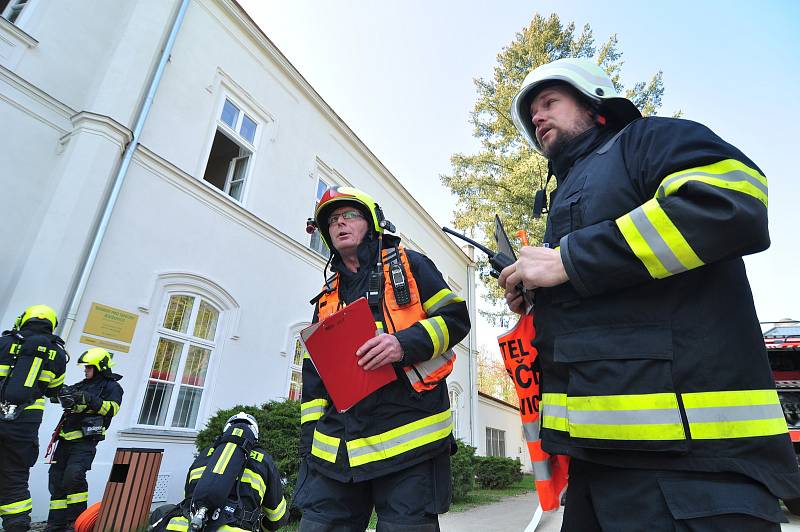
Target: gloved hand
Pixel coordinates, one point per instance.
(91, 400)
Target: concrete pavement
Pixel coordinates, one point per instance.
(514, 513)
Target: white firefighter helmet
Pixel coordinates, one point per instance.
(587, 78)
(242, 417)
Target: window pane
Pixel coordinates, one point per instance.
(187, 407)
(165, 363)
(297, 360)
(239, 173)
(178, 312)
(205, 326)
(248, 129)
(156, 402)
(322, 186)
(295, 386)
(230, 113)
(194, 372)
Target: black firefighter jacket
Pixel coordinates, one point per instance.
(651, 353)
(104, 398)
(401, 426)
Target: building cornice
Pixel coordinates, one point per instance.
(36, 97)
(496, 400)
(223, 204)
(238, 14)
(100, 125)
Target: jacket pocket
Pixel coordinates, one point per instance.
(620, 393)
(730, 504)
(565, 214)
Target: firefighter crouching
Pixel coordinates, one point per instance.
(88, 408)
(391, 451)
(32, 365)
(232, 485)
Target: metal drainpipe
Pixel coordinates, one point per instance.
(473, 387)
(127, 156)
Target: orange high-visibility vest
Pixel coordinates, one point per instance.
(424, 375)
(519, 355)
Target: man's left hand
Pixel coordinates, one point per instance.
(379, 351)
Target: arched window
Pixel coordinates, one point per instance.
(296, 368)
(455, 398)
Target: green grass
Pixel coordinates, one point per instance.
(479, 497)
(475, 498)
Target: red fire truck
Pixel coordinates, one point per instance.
(782, 339)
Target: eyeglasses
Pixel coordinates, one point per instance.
(346, 215)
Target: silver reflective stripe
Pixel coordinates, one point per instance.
(394, 442)
(313, 410)
(328, 448)
(660, 248)
(531, 431)
(541, 470)
(655, 416)
(446, 300)
(554, 410)
(439, 333)
(733, 413)
(732, 176)
(429, 366)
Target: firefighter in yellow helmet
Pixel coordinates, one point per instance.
(391, 451)
(89, 407)
(655, 379)
(32, 366)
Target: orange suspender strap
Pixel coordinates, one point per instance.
(519, 355)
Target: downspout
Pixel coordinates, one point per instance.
(79, 289)
(473, 386)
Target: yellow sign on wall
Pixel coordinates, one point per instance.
(110, 322)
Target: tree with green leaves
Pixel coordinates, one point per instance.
(503, 177)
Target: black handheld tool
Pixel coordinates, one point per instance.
(497, 260)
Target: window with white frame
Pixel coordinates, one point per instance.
(232, 150)
(317, 244)
(11, 9)
(495, 442)
(454, 397)
(185, 342)
(296, 369)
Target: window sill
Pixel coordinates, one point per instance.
(159, 435)
(13, 43)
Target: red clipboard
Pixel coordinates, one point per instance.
(332, 344)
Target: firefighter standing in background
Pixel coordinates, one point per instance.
(232, 485)
(655, 379)
(391, 451)
(32, 365)
(89, 407)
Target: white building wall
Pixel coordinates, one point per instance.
(66, 127)
(499, 415)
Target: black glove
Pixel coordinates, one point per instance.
(91, 400)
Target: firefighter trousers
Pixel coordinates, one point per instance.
(600, 498)
(19, 448)
(408, 500)
(69, 490)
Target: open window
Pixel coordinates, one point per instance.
(11, 9)
(232, 150)
(317, 244)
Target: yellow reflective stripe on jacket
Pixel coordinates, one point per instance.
(734, 414)
(179, 524)
(196, 473)
(58, 504)
(57, 381)
(553, 408)
(400, 440)
(46, 376)
(729, 174)
(654, 416)
(421, 370)
(324, 446)
(37, 405)
(656, 241)
(18, 507)
(443, 297)
(256, 481)
(440, 335)
(109, 406)
(224, 458)
(75, 498)
(4, 370)
(36, 365)
(72, 435)
(277, 513)
(312, 410)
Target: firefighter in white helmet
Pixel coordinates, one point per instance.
(654, 375)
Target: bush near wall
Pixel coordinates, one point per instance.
(462, 466)
(279, 434)
(494, 472)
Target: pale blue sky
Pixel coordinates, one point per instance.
(400, 74)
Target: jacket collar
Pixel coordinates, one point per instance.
(578, 147)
